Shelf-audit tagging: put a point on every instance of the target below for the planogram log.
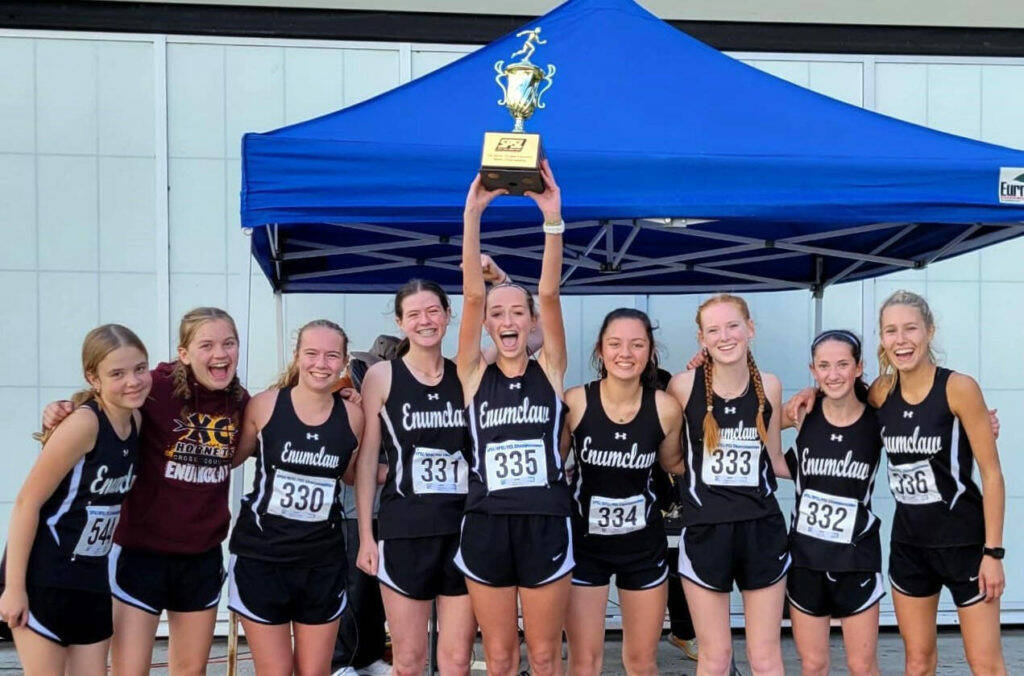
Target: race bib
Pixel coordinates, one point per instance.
(826, 517)
(914, 483)
(438, 471)
(300, 497)
(516, 464)
(98, 533)
(735, 463)
(615, 516)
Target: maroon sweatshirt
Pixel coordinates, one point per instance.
(179, 504)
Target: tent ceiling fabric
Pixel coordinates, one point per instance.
(681, 170)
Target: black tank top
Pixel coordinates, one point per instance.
(76, 523)
(735, 482)
(612, 487)
(930, 465)
(515, 425)
(423, 433)
(833, 471)
(293, 512)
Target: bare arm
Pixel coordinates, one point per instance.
(468, 359)
(670, 452)
(968, 404)
(376, 387)
(257, 414)
(553, 353)
(773, 391)
(67, 445)
(355, 421)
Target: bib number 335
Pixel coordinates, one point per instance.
(516, 464)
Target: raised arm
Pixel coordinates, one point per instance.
(968, 404)
(553, 353)
(468, 358)
(376, 387)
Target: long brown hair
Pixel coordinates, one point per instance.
(649, 377)
(187, 329)
(712, 434)
(98, 343)
(290, 377)
(886, 369)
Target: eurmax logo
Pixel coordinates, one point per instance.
(1011, 185)
(510, 145)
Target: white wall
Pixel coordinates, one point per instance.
(119, 183)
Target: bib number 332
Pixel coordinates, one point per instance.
(301, 498)
(516, 464)
(826, 517)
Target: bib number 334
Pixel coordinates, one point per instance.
(516, 464)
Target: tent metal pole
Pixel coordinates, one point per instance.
(817, 313)
(279, 314)
(819, 291)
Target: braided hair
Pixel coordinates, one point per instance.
(712, 433)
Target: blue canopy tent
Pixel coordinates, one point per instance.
(682, 170)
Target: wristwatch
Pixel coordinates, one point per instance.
(995, 552)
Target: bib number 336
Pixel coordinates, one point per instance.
(516, 464)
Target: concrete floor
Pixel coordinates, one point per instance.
(890, 655)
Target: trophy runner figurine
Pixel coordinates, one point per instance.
(511, 160)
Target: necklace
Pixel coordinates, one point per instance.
(432, 377)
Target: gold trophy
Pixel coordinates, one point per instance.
(511, 160)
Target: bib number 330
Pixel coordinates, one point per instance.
(516, 464)
(301, 498)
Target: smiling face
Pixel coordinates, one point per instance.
(905, 336)
(508, 320)
(212, 353)
(835, 368)
(122, 378)
(320, 358)
(423, 318)
(725, 332)
(625, 349)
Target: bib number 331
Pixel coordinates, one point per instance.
(438, 471)
(516, 463)
(300, 497)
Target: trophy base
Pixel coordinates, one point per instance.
(516, 181)
(511, 161)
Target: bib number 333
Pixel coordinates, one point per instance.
(735, 463)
